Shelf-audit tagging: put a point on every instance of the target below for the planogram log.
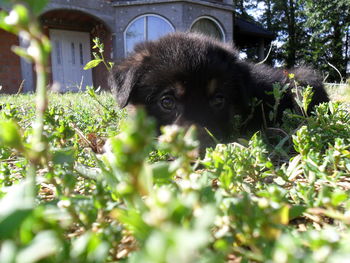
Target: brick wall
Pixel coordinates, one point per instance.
(10, 66)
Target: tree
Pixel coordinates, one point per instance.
(329, 23)
(285, 19)
(309, 32)
(242, 7)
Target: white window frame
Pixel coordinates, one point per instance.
(145, 26)
(217, 23)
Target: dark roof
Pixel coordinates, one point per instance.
(244, 27)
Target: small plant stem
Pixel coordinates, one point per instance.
(104, 62)
(31, 177)
(41, 101)
(41, 62)
(101, 104)
(38, 156)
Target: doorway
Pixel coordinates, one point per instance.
(70, 53)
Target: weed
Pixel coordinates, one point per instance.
(63, 200)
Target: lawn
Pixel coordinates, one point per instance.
(281, 195)
(279, 198)
(339, 92)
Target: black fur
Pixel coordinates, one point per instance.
(207, 83)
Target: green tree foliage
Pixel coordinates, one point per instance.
(286, 19)
(242, 7)
(309, 32)
(328, 23)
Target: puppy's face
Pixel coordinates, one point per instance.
(183, 79)
(185, 101)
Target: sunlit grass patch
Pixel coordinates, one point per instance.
(339, 92)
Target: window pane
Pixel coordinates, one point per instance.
(135, 34)
(157, 27)
(58, 52)
(73, 52)
(81, 54)
(207, 27)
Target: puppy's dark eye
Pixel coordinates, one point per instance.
(167, 102)
(218, 101)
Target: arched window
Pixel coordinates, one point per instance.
(147, 27)
(209, 27)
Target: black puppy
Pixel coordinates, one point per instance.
(187, 78)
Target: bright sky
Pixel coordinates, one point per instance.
(257, 13)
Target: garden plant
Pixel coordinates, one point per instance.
(278, 196)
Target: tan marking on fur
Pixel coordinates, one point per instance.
(131, 109)
(140, 56)
(212, 86)
(179, 89)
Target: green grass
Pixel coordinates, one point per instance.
(339, 92)
(84, 111)
(279, 198)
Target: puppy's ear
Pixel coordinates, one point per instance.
(123, 80)
(125, 76)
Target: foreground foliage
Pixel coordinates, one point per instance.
(280, 196)
(256, 201)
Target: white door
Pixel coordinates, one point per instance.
(70, 52)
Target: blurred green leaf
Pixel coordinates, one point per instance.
(10, 134)
(296, 211)
(161, 173)
(34, 251)
(22, 13)
(36, 5)
(134, 222)
(15, 207)
(10, 223)
(4, 25)
(91, 247)
(22, 53)
(92, 64)
(8, 252)
(339, 197)
(63, 156)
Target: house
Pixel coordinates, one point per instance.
(72, 24)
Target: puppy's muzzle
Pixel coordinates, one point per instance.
(204, 136)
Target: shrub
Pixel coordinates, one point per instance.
(63, 200)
